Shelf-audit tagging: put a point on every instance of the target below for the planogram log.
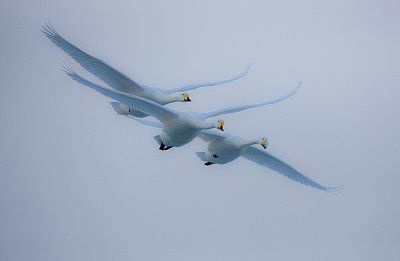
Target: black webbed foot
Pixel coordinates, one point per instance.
(163, 147)
(208, 163)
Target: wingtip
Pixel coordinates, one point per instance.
(246, 71)
(48, 29)
(297, 88)
(336, 190)
(68, 70)
(248, 67)
(299, 85)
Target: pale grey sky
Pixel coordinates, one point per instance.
(78, 182)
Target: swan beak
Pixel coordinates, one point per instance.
(186, 98)
(264, 143)
(220, 126)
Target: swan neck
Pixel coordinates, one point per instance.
(247, 143)
(206, 125)
(172, 98)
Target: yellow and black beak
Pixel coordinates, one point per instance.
(264, 144)
(186, 97)
(220, 125)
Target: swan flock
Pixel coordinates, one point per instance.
(178, 128)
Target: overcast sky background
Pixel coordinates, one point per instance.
(78, 182)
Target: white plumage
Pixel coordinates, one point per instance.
(179, 128)
(224, 148)
(120, 82)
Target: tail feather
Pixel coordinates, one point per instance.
(117, 108)
(201, 155)
(157, 138)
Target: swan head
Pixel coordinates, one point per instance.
(184, 97)
(263, 142)
(220, 125)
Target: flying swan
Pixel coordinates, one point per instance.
(178, 128)
(120, 82)
(223, 148)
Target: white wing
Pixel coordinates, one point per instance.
(267, 160)
(208, 84)
(146, 122)
(151, 108)
(209, 135)
(249, 106)
(116, 79)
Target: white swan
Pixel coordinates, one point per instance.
(179, 128)
(224, 148)
(120, 82)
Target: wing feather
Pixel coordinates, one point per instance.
(249, 106)
(111, 76)
(265, 159)
(208, 84)
(209, 135)
(151, 108)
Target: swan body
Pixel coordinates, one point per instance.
(183, 129)
(226, 149)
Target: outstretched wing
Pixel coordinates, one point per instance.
(208, 84)
(146, 122)
(249, 106)
(151, 108)
(114, 78)
(267, 160)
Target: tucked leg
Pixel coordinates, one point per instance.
(162, 146)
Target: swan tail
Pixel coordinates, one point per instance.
(201, 155)
(157, 138)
